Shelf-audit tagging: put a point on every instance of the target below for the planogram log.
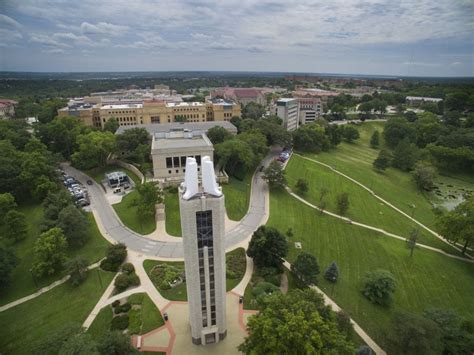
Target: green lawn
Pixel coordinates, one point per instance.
(24, 325)
(144, 317)
(235, 261)
(173, 221)
(426, 280)
(237, 196)
(363, 207)
(127, 212)
(98, 174)
(22, 283)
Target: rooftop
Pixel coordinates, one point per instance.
(121, 106)
(185, 139)
(191, 126)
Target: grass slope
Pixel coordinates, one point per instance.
(426, 280)
(127, 212)
(32, 321)
(363, 207)
(173, 221)
(237, 196)
(22, 283)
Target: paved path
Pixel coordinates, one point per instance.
(368, 340)
(386, 202)
(41, 290)
(113, 229)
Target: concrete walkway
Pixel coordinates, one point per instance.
(365, 337)
(386, 202)
(42, 290)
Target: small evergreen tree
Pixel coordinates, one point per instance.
(306, 268)
(342, 203)
(411, 243)
(379, 286)
(383, 160)
(302, 186)
(332, 272)
(77, 270)
(375, 140)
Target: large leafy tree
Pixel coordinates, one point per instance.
(458, 225)
(424, 174)
(15, 226)
(306, 268)
(267, 247)
(81, 343)
(234, 155)
(375, 140)
(10, 169)
(115, 343)
(257, 142)
(274, 175)
(149, 194)
(253, 111)
(413, 335)
(111, 125)
(350, 134)
(94, 148)
(8, 261)
(383, 160)
(379, 286)
(310, 138)
(49, 252)
(7, 203)
(53, 204)
(134, 144)
(405, 155)
(293, 324)
(74, 226)
(397, 129)
(218, 134)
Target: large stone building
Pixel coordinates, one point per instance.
(138, 112)
(241, 95)
(202, 214)
(169, 152)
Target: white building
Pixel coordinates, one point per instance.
(421, 99)
(288, 110)
(202, 213)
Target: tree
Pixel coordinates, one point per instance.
(456, 335)
(81, 343)
(458, 224)
(94, 148)
(253, 111)
(115, 343)
(311, 138)
(15, 226)
(342, 203)
(350, 134)
(366, 107)
(51, 342)
(74, 226)
(218, 134)
(302, 186)
(116, 254)
(397, 129)
(375, 140)
(274, 175)
(306, 268)
(411, 242)
(49, 252)
(293, 324)
(267, 247)
(10, 170)
(7, 203)
(54, 203)
(410, 116)
(334, 133)
(424, 174)
(235, 155)
(134, 145)
(149, 194)
(257, 142)
(379, 286)
(8, 261)
(77, 270)
(413, 335)
(111, 125)
(382, 161)
(405, 155)
(332, 272)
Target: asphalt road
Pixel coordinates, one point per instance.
(111, 223)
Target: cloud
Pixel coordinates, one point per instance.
(47, 41)
(103, 28)
(9, 22)
(200, 36)
(10, 35)
(53, 51)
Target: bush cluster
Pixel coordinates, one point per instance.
(124, 281)
(124, 308)
(120, 322)
(116, 255)
(163, 274)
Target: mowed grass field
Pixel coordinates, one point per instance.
(22, 283)
(237, 196)
(173, 220)
(35, 320)
(426, 280)
(127, 212)
(397, 187)
(363, 207)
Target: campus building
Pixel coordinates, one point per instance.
(7, 108)
(310, 108)
(287, 109)
(202, 214)
(241, 95)
(138, 112)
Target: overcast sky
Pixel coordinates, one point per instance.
(395, 37)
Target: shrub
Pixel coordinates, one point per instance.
(128, 268)
(116, 254)
(115, 303)
(120, 322)
(124, 308)
(379, 286)
(121, 282)
(133, 280)
(332, 272)
(164, 285)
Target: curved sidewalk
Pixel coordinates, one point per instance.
(113, 228)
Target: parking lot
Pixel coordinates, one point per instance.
(76, 189)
